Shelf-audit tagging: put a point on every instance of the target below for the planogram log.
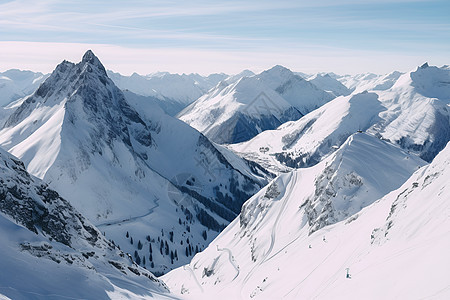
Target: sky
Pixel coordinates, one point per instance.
(145, 36)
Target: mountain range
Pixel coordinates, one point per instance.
(78, 127)
(273, 185)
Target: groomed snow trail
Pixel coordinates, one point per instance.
(131, 219)
(193, 275)
(286, 197)
(231, 259)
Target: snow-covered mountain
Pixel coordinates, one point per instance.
(123, 169)
(177, 90)
(49, 251)
(237, 110)
(301, 235)
(15, 84)
(306, 141)
(330, 84)
(300, 93)
(418, 111)
(369, 81)
(414, 114)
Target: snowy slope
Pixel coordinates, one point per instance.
(418, 111)
(123, 169)
(237, 110)
(49, 251)
(329, 84)
(394, 248)
(306, 141)
(298, 92)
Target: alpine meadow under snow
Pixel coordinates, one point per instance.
(277, 185)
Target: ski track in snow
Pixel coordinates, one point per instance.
(231, 259)
(131, 219)
(310, 273)
(293, 182)
(193, 275)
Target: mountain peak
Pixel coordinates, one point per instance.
(90, 58)
(424, 66)
(279, 69)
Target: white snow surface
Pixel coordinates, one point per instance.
(394, 248)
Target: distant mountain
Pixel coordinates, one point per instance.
(48, 250)
(302, 234)
(119, 164)
(301, 94)
(418, 111)
(414, 114)
(15, 84)
(173, 88)
(369, 81)
(330, 84)
(237, 110)
(307, 141)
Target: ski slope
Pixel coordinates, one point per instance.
(285, 251)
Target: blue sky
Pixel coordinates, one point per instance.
(344, 36)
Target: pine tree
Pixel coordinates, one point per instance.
(139, 245)
(167, 248)
(131, 241)
(150, 248)
(204, 235)
(152, 265)
(128, 235)
(143, 260)
(148, 238)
